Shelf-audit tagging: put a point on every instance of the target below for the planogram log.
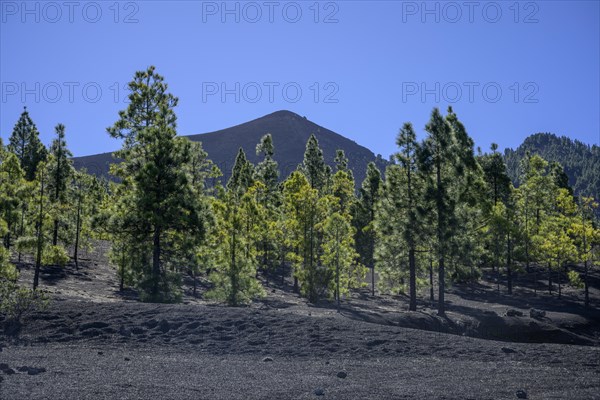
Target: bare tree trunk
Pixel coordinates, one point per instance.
(413, 280)
(122, 283)
(431, 291)
(77, 231)
(38, 259)
(440, 234)
(586, 285)
(155, 261)
(549, 279)
(558, 273)
(21, 229)
(508, 265)
(282, 267)
(337, 272)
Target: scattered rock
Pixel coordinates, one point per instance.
(31, 370)
(151, 324)
(164, 326)
(136, 330)
(508, 350)
(376, 342)
(533, 313)
(521, 394)
(256, 342)
(124, 331)
(267, 359)
(91, 332)
(511, 312)
(342, 375)
(319, 392)
(93, 325)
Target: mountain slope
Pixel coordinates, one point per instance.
(290, 133)
(580, 161)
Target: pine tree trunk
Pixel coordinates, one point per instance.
(283, 267)
(586, 301)
(549, 279)
(526, 236)
(440, 234)
(337, 279)
(38, 258)
(498, 279)
(7, 238)
(413, 280)
(586, 285)
(508, 266)
(558, 275)
(55, 233)
(373, 280)
(122, 282)
(21, 230)
(155, 262)
(431, 291)
(77, 231)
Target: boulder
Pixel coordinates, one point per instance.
(537, 314)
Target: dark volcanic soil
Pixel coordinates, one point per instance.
(97, 343)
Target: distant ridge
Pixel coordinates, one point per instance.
(580, 161)
(290, 133)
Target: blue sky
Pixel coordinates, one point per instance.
(360, 68)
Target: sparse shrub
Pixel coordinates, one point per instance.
(575, 279)
(169, 289)
(26, 244)
(17, 302)
(55, 255)
(7, 269)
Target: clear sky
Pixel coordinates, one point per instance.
(360, 68)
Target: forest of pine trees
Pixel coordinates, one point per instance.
(440, 213)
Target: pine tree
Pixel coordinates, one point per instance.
(87, 195)
(534, 205)
(12, 195)
(304, 210)
(7, 269)
(466, 189)
(160, 199)
(438, 156)
(41, 177)
(497, 194)
(340, 257)
(26, 145)
(236, 220)
(364, 217)
(586, 236)
(242, 174)
(269, 200)
(314, 166)
(407, 157)
(61, 171)
(553, 242)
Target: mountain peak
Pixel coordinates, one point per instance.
(290, 133)
(282, 113)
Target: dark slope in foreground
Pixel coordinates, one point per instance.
(140, 351)
(290, 133)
